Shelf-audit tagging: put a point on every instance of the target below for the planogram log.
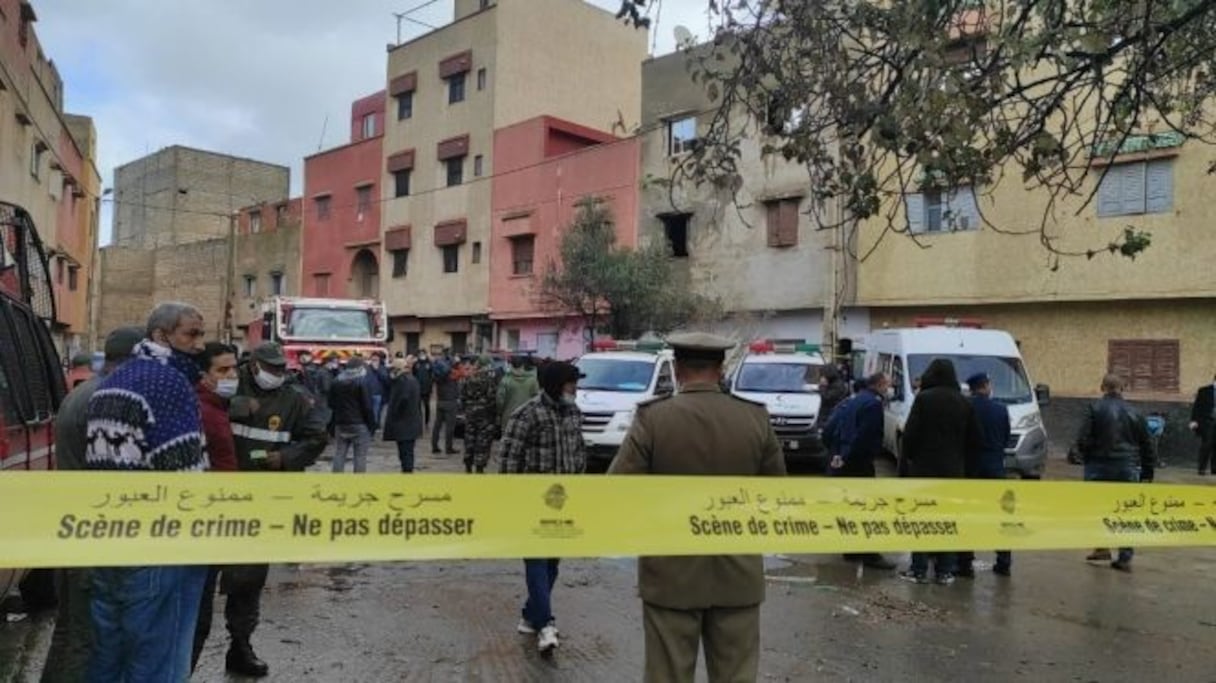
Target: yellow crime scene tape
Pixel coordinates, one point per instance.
(60, 519)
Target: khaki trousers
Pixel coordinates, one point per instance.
(730, 635)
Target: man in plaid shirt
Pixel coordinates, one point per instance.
(544, 436)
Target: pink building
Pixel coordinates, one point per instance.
(340, 245)
(543, 167)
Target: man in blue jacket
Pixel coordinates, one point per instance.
(855, 436)
(994, 425)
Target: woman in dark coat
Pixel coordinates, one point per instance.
(942, 439)
(403, 418)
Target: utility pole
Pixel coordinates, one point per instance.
(229, 277)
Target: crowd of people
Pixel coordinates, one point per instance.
(949, 435)
(164, 400)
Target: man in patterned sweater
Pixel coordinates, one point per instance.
(545, 436)
(146, 417)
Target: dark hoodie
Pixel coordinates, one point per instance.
(832, 395)
(942, 438)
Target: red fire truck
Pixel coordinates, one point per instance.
(345, 327)
(31, 375)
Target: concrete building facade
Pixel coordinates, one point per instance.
(757, 251)
(499, 63)
(340, 245)
(1150, 319)
(546, 167)
(180, 194)
(266, 261)
(48, 167)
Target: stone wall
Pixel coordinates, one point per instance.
(125, 289)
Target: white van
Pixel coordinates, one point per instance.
(904, 354)
(785, 378)
(617, 377)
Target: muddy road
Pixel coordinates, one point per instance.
(1056, 619)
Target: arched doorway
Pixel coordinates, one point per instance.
(364, 276)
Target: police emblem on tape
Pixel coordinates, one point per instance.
(555, 498)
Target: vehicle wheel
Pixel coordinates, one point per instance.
(38, 590)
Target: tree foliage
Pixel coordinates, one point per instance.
(877, 98)
(625, 292)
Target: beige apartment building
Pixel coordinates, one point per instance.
(1151, 320)
(758, 251)
(498, 63)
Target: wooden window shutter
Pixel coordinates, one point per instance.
(1159, 186)
(915, 205)
(1165, 366)
(1133, 188)
(773, 222)
(1146, 365)
(1110, 192)
(781, 221)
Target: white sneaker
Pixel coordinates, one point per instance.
(526, 628)
(547, 640)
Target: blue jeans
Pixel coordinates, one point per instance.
(943, 563)
(143, 623)
(541, 575)
(1118, 471)
(405, 453)
(357, 438)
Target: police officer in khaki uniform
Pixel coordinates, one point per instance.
(690, 601)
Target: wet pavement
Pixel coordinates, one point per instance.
(1056, 619)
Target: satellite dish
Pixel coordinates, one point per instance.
(684, 37)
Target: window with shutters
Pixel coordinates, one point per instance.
(451, 258)
(523, 250)
(782, 220)
(276, 284)
(322, 207)
(405, 105)
(1147, 366)
(320, 283)
(363, 198)
(401, 183)
(255, 221)
(454, 168)
(935, 211)
(1137, 187)
(401, 262)
(456, 88)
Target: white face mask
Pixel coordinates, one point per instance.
(889, 393)
(267, 381)
(226, 388)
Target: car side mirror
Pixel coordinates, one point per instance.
(664, 387)
(1042, 394)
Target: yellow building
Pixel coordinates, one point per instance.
(499, 63)
(1152, 320)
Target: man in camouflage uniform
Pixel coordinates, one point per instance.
(478, 396)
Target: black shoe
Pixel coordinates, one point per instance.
(242, 661)
(1002, 570)
(878, 562)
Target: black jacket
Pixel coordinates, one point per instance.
(403, 418)
(1113, 431)
(943, 437)
(1203, 410)
(422, 373)
(351, 402)
(282, 420)
(832, 395)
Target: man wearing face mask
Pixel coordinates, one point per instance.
(218, 385)
(145, 416)
(275, 428)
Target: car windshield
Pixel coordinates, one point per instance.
(602, 374)
(779, 378)
(1009, 383)
(326, 323)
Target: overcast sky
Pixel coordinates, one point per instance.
(253, 78)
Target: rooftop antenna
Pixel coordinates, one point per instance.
(324, 125)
